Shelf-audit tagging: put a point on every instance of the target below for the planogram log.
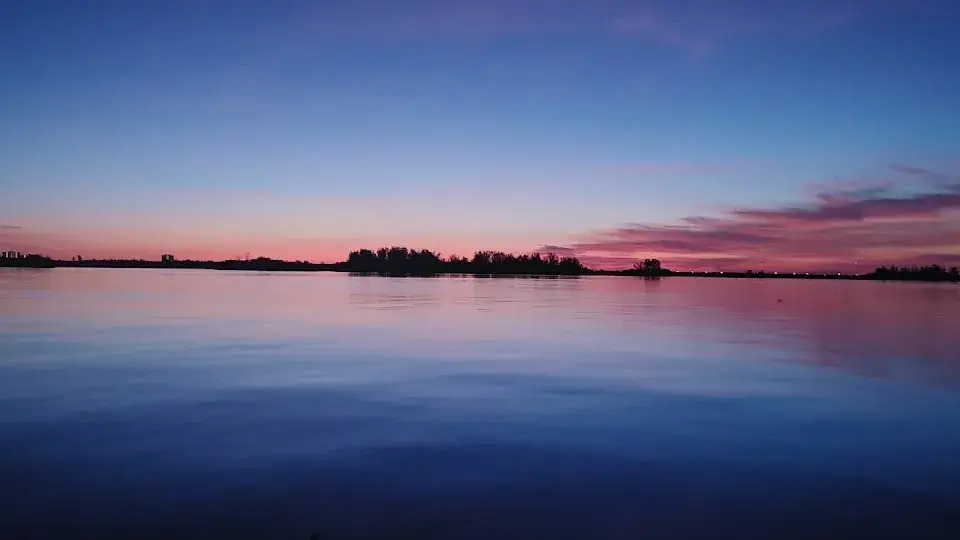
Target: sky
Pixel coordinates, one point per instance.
(712, 134)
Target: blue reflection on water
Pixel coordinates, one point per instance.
(207, 405)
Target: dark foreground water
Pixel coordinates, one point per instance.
(178, 404)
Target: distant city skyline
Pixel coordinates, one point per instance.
(710, 134)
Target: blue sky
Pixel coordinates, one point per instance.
(302, 129)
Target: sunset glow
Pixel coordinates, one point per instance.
(803, 136)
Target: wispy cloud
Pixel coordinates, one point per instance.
(676, 168)
(698, 26)
(559, 250)
(702, 26)
(949, 181)
(9, 227)
(841, 229)
(833, 208)
(432, 19)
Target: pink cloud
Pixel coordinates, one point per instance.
(846, 230)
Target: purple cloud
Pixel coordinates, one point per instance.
(837, 230)
(558, 250)
(831, 208)
(950, 182)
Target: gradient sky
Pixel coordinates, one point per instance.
(814, 135)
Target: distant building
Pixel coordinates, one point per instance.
(11, 255)
(167, 258)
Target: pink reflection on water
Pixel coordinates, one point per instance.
(870, 328)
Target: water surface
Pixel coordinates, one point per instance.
(198, 404)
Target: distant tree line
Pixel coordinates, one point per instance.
(411, 262)
(401, 260)
(392, 261)
(28, 261)
(933, 272)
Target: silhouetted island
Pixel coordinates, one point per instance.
(401, 261)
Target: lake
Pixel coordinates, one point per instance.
(198, 404)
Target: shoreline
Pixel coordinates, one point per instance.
(342, 268)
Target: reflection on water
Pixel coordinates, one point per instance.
(145, 403)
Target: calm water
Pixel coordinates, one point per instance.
(144, 403)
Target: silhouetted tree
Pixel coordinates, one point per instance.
(648, 267)
(363, 260)
(481, 260)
